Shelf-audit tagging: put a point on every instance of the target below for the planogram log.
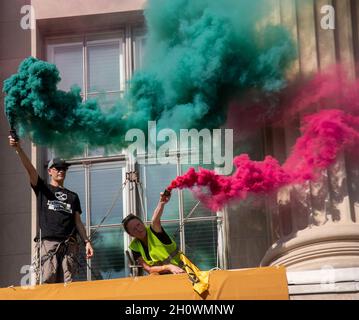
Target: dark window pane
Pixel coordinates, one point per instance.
(75, 181)
(82, 263)
(109, 259)
(155, 178)
(172, 229)
(106, 185)
(201, 243)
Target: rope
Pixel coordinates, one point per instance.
(60, 251)
(109, 210)
(179, 229)
(91, 237)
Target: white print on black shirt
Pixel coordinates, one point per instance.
(59, 205)
(61, 196)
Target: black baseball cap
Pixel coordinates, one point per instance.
(57, 163)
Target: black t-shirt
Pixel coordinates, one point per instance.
(162, 236)
(57, 211)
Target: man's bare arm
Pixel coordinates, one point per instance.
(33, 175)
(81, 229)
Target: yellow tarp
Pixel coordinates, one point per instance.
(245, 284)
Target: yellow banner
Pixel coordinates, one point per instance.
(198, 278)
(265, 283)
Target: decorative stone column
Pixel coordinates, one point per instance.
(317, 224)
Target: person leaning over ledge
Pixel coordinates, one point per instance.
(59, 220)
(152, 248)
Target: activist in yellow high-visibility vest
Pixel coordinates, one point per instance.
(152, 248)
(157, 253)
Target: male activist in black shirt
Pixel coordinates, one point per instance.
(59, 220)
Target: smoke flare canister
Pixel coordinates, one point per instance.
(14, 135)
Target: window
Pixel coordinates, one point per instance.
(68, 59)
(97, 64)
(139, 44)
(105, 190)
(193, 226)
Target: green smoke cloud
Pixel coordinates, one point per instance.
(199, 53)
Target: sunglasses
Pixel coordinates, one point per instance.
(60, 168)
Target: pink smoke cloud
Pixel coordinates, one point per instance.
(326, 90)
(324, 135)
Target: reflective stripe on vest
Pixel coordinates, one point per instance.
(158, 251)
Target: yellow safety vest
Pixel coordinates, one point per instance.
(158, 251)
